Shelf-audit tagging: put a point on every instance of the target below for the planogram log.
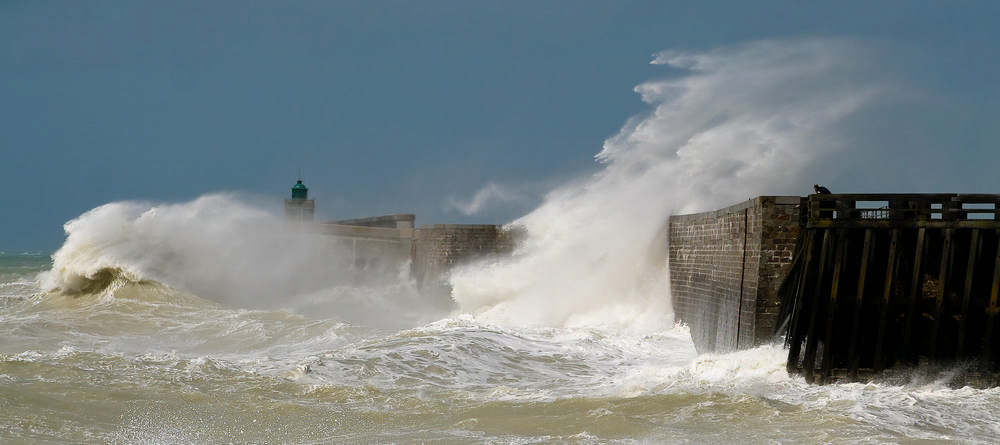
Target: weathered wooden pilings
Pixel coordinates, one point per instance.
(884, 281)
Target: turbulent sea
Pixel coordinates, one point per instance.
(138, 361)
(211, 322)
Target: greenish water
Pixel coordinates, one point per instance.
(26, 265)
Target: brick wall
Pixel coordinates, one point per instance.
(373, 249)
(780, 231)
(725, 269)
(439, 247)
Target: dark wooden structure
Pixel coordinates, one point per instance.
(884, 281)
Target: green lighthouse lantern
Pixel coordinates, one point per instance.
(300, 191)
(300, 207)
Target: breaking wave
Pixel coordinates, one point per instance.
(223, 250)
(730, 124)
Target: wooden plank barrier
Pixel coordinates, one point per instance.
(894, 281)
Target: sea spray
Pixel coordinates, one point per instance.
(731, 124)
(225, 250)
(196, 246)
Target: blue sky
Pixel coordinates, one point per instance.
(412, 106)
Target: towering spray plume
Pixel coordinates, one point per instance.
(761, 118)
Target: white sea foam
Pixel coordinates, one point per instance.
(176, 244)
(222, 249)
(756, 119)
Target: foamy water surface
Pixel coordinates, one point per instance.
(149, 364)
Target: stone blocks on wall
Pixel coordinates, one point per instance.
(440, 247)
(726, 267)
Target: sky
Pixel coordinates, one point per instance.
(457, 111)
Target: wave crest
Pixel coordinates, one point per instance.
(221, 250)
(191, 246)
(96, 281)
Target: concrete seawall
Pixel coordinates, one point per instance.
(726, 267)
(380, 247)
(441, 247)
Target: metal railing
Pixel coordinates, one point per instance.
(921, 210)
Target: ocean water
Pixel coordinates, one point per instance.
(142, 362)
(213, 322)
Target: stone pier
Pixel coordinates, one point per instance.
(726, 267)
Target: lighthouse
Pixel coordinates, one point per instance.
(300, 207)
